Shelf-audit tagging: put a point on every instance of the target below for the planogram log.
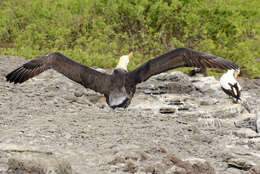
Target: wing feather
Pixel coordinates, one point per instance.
(79, 73)
(181, 57)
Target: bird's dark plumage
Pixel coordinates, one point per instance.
(180, 57)
(233, 92)
(81, 74)
(120, 86)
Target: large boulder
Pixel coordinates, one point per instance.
(173, 83)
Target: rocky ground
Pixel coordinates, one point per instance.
(175, 124)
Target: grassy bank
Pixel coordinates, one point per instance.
(96, 33)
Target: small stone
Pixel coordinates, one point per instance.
(247, 121)
(177, 170)
(241, 158)
(246, 133)
(202, 138)
(183, 108)
(130, 167)
(240, 163)
(70, 98)
(254, 170)
(167, 110)
(232, 171)
(78, 93)
(208, 102)
(192, 165)
(175, 102)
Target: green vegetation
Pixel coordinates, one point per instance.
(97, 33)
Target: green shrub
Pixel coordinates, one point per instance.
(97, 33)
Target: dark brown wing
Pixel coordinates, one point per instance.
(181, 57)
(81, 74)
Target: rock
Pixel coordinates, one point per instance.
(176, 170)
(173, 83)
(193, 165)
(241, 158)
(240, 163)
(246, 133)
(174, 76)
(210, 123)
(206, 85)
(156, 150)
(208, 102)
(246, 105)
(223, 111)
(183, 108)
(202, 138)
(70, 98)
(175, 102)
(254, 170)
(185, 87)
(167, 110)
(49, 111)
(158, 160)
(31, 160)
(32, 163)
(249, 84)
(232, 171)
(79, 93)
(130, 167)
(257, 122)
(250, 121)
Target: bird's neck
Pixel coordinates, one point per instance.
(122, 65)
(230, 74)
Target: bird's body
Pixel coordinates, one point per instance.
(118, 87)
(230, 85)
(120, 94)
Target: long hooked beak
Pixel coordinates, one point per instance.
(130, 55)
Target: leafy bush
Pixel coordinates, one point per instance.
(97, 33)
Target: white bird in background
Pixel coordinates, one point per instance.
(230, 85)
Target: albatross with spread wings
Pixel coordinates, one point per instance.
(118, 87)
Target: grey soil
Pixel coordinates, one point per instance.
(187, 117)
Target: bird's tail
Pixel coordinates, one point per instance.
(117, 99)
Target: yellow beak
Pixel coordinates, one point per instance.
(130, 55)
(235, 75)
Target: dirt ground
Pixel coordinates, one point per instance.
(45, 114)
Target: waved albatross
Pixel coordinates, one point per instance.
(118, 87)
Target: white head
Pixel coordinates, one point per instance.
(234, 72)
(124, 60)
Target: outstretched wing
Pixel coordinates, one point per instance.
(181, 57)
(79, 73)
